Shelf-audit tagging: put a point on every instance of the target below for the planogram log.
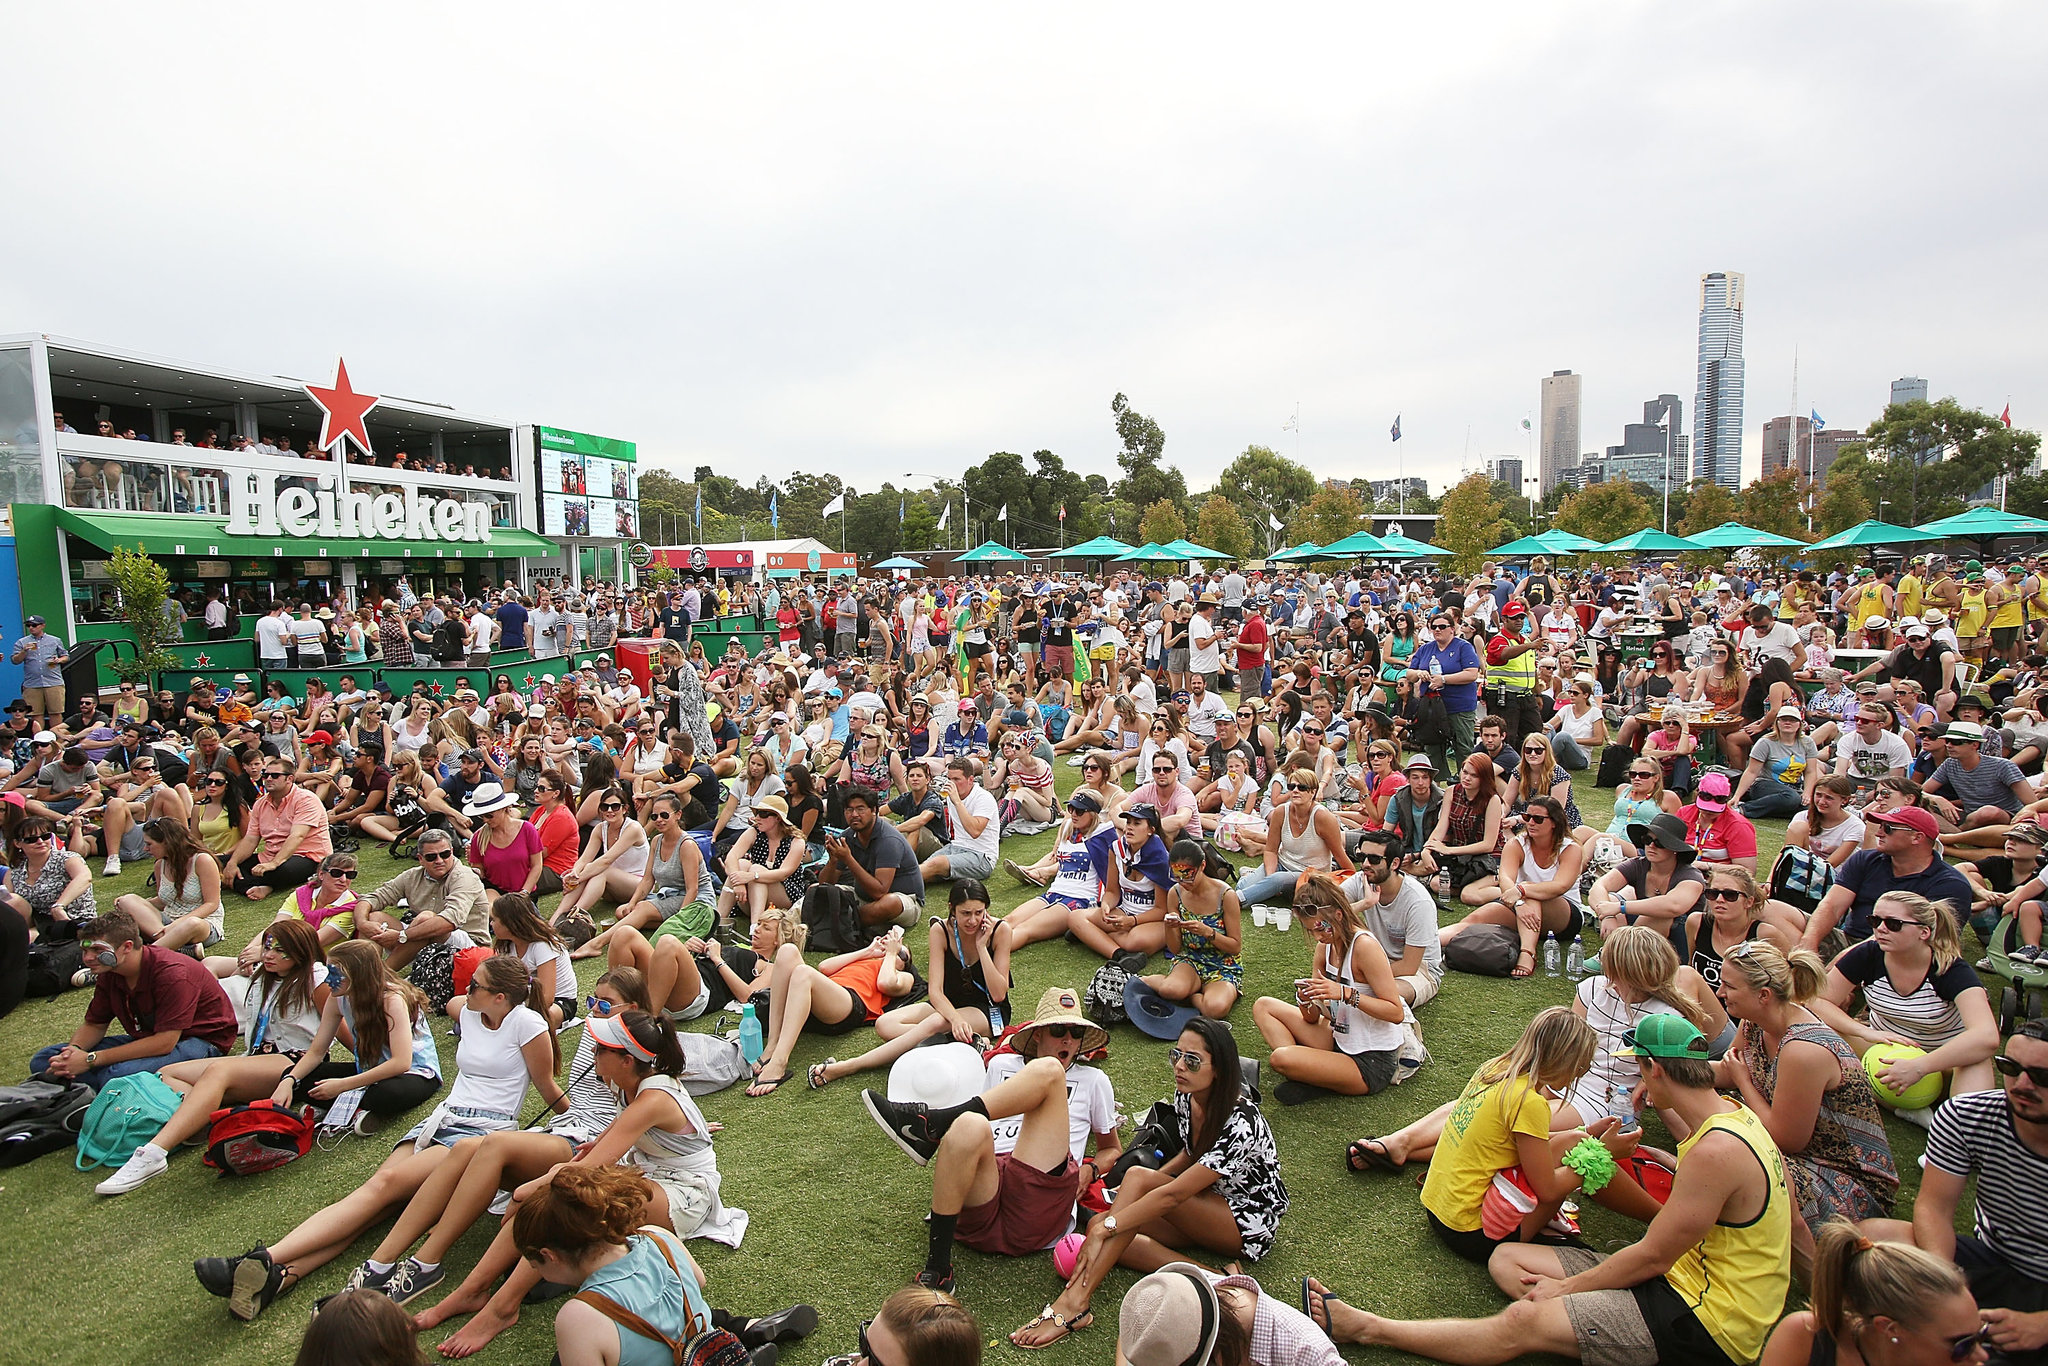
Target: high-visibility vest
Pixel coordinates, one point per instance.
(1517, 674)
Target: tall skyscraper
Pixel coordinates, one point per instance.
(1717, 401)
(1560, 434)
(1909, 390)
(1785, 444)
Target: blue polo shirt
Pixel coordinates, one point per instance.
(1455, 658)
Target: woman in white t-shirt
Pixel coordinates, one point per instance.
(518, 929)
(506, 1044)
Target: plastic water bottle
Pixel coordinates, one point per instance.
(1575, 959)
(1436, 672)
(1550, 955)
(750, 1035)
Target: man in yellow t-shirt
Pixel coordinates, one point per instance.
(1912, 590)
(1703, 1286)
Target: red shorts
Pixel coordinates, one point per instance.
(1059, 660)
(1032, 1210)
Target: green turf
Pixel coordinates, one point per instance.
(835, 1208)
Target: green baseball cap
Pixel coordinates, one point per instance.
(1663, 1036)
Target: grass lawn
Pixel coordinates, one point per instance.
(835, 1208)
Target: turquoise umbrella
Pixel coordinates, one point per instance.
(989, 551)
(1149, 553)
(1101, 548)
(1734, 535)
(1357, 543)
(1649, 538)
(1552, 542)
(1407, 548)
(1301, 552)
(1188, 550)
(899, 562)
(1873, 533)
(1983, 523)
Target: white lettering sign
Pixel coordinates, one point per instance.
(258, 508)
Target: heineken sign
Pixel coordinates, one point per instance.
(259, 508)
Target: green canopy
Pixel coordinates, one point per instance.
(209, 537)
(1407, 548)
(1149, 553)
(1300, 552)
(1552, 542)
(1649, 538)
(1101, 548)
(988, 551)
(1983, 523)
(1357, 543)
(1188, 550)
(1734, 535)
(898, 562)
(1873, 533)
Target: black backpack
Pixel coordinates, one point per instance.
(39, 1117)
(51, 966)
(831, 914)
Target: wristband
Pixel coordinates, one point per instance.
(1594, 1164)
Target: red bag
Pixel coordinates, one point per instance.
(258, 1137)
(467, 961)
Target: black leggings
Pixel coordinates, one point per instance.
(391, 1096)
(13, 958)
(290, 875)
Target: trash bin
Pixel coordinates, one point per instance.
(636, 660)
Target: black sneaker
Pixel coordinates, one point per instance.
(942, 1284)
(217, 1274)
(1132, 961)
(908, 1123)
(258, 1281)
(793, 1324)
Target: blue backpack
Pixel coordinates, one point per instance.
(125, 1115)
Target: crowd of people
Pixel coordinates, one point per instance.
(1385, 757)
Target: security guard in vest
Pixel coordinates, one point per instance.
(1511, 675)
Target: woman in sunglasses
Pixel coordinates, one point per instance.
(187, 908)
(327, 903)
(1131, 862)
(1878, 1301)
(218, 805)
(614, 856)
(1538, 890)
(1342, 1033)
(1808, 1087)
(282, 1004)
(1540, 775)
(1204, 932)
(1917, 990)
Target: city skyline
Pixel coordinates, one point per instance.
(837, 242)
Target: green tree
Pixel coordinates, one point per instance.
(1846, 499)
(1147, 479)
(999, 482)
(1220, 526)
(1707, 506)
(1925, 459)
(1775, 504)
(1605, 512)
(1162, 523)
(143, 585)
(1262, 481)
(1327, 518)
(1470, 523)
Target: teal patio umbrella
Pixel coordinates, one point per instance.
(1408, 548)
(1734, 535)
(1188, 550)
(1301, 552)
(990, 551)
(1552, 542)
(1649, 538)
(1873, 533)
(1984, 523)
(1357, 543)
(898, 562)
(1101, 548)
(1149, 553)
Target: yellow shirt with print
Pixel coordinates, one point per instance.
(1478, 1141)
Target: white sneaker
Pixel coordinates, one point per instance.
(113, 867)
(147, 1161)
(501, 1202)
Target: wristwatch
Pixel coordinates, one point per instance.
(92, 1058)
(1109, 1223)
(402, 929)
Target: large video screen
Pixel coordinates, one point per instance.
(589, 485)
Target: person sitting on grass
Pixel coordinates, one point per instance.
(172, 1008)
(1865, 1293)
(284, 1000)
(284, 837)
(767, 870)
(1538, 892)
(1658, 886)
(968, 994)
(1704, 1284)
(875, 860)
(917, 1327)
(1342, 1033)
(1639, 976)
(361, 1328)
(327, 904)
(1065, 872)
(613, 858)
(673, 896)
(519, 930)
(1461, 856)
(187, 907)
(1918, 991)
(1222, 1192)
(1009, 1164)
(837, 996)
(442, 896)
(973, 825)
(1132, 864)
(505, 1045)
(1204, 933)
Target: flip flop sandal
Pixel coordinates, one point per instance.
(1310, 1298)
(771, 1086)
(1067, 1327)
(815, 1074)
(1360, 1158)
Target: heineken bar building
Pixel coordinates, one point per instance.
(252, 486)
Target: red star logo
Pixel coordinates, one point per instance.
(200, 661)
(531, 680)
(434, 688)
(342, 410)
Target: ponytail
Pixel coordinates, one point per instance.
(1855, 1280)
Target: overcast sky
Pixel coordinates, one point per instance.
(873, 240)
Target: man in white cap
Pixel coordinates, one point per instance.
(1009, 1161)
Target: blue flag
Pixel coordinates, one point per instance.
(1814, 418)
(1396, 432)
(774, 519)
(901, 503)
(700, 509)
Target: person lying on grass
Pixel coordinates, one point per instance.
(285, 999)
(688, 978)
(1342, 1033)
(838, 996)
(1204, 932)
(1009, 1166)
(505, 1045)
(969, 991)
(1703, 1285)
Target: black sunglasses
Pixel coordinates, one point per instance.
(1724, 894)
(1067, 1031)
(2009, 1066)
(345, 874)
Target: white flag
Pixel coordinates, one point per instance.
(1272, 521)
(836, 505)
(945, 515)
(1004, 515)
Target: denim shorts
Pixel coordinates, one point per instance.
(458, 1122)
